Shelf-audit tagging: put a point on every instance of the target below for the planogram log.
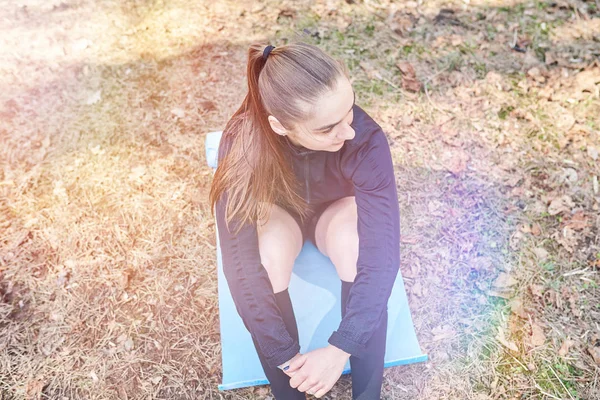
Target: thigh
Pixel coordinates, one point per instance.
(279, 242)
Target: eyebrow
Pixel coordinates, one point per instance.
(332, 125)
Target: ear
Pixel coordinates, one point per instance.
(276, 126)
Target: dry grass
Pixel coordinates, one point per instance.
(107, 249)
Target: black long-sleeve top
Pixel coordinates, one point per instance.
(362, 168)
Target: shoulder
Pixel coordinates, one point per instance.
(369, 144)
(365, 128)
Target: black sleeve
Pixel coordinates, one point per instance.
(251, 289)
(371, 170)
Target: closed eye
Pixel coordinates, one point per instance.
(331, 129)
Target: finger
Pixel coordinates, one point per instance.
(321, 392)
(307, 384)
(315, 389)
(296, 363)
(290, 374)
(297, 379)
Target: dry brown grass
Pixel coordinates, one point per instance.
(107, 249)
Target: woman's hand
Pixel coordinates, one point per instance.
(317, 371)
(287, 363)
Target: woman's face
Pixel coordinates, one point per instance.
(329, 127)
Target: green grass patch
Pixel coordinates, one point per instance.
(504, 111)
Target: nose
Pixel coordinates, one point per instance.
(348, 134)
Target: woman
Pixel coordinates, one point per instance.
(300, 160)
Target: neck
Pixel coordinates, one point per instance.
(294, 142)
(297, 147)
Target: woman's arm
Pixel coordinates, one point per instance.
(371, 170)
(252, 290)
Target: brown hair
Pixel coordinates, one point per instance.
(255, 172)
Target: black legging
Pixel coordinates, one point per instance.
(367, 373)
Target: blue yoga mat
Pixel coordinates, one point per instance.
(315, 290)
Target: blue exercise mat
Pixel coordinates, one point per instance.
(315, 290)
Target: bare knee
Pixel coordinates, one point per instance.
(279, 242)
(343, 251)
(279, 263)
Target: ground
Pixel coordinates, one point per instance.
(108, 284)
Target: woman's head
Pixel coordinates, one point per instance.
(298, 93)
(307, 96)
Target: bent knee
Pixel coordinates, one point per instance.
(280, 242)
(343, 252)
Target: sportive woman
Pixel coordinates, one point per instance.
(300, 160)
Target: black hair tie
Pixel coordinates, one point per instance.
(267, 51)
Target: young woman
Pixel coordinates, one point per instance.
(300, 160)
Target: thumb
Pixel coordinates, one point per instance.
(296, 363)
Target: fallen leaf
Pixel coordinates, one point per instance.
(455, 160)
(178, 112)
(417, 289)
(482, 263)
(499, 293)
(564, 348)
(409, 77)
(567, 238)
(442, 332)
(33, 389)
(540, 253)
(560, 204)
(549, 58)
(506, 343)
(537, 337)
(588, 80)
(62, 278)
(94, 97)
(407, 120)
(96, 150)
(263, 391)
(504, 280)
(569, 175)
(534, 72)
(59, 190)
(122, 393)
(592, 153)
(578, 221)
(412, 85)
(440, 355)
(595, 352)
(525, 228)
(406, 68)
(80, 45)
(207, 105)
(128, 344)
(436, 207)
(137, 172)
(123, 279)
(516, 306)
(372, 73)
(565, 121)
(402, 22)
(409, 239)
(536, 290)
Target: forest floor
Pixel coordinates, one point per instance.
(108, 280)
